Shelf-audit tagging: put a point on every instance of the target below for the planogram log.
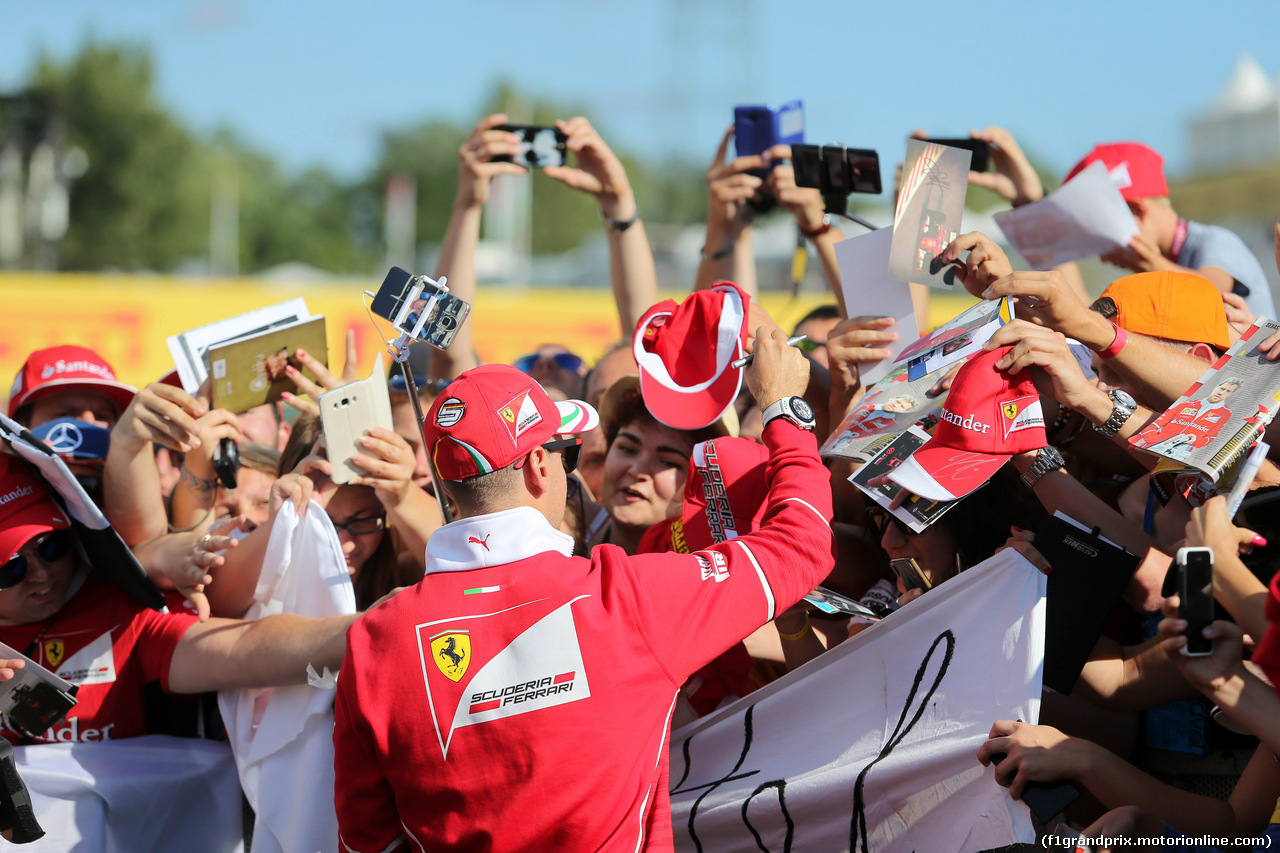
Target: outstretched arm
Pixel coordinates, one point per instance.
(458, 251)
(727, 254)
(1159, 374)
(1044, 754)
(222, 654)
(159, 414)
(601, 174)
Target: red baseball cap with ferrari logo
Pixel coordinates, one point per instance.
(990, 416)
(492, 415)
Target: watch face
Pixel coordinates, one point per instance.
(802, 409)
(1121, 397)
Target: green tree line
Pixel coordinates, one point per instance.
(144, 202)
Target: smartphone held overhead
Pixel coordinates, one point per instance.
(979, 150)
(757, 128)
(540, 147)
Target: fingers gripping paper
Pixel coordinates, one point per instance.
(874, 745)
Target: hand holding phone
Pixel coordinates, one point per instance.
(1195, 597)
(346, 412)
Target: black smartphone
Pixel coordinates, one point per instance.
(1195, 597)
(226, 462)
(540, 147)
(980, 149)
(835, 167)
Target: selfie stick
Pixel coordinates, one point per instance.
(401, 355)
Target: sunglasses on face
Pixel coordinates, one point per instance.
(50, 549)
(569, 450)
(809, 346)
(879, 520)
(566, 361)
(362, 526)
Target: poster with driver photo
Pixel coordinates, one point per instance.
(935, 179)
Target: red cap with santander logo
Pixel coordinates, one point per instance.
(990, 416)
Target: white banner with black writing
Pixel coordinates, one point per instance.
(147, 793)
(873, 746)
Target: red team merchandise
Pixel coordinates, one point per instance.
(686, 352)
(67, 368)
(492, 416)
(519, 698)
(101, 640)
(1136, 170)
(990, 416)
(111, 647)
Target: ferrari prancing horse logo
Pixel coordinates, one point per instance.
(1010, 410)
(452, 654)
(53, 652)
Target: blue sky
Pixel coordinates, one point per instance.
(315, 83)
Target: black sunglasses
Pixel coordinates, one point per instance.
(50, 549)
(569, 449)
(879, 519)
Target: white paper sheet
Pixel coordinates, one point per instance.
(870, 292)
(1085, 217)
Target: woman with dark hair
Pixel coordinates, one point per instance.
(645, 466)
(371, 528)
(376, 515)
(967, 534)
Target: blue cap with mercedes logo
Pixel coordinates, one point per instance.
(74, 440)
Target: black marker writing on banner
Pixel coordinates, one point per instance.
(731, 776)
(858, 826)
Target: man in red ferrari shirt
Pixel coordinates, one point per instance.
(519, 698)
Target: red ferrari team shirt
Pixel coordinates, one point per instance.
(109, 645)
(519, 698)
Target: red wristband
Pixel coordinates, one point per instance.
(1116, 345)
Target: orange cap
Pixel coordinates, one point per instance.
(1176, 306)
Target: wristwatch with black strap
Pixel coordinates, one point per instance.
(794, 409)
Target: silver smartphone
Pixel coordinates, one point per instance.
(346, 412)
